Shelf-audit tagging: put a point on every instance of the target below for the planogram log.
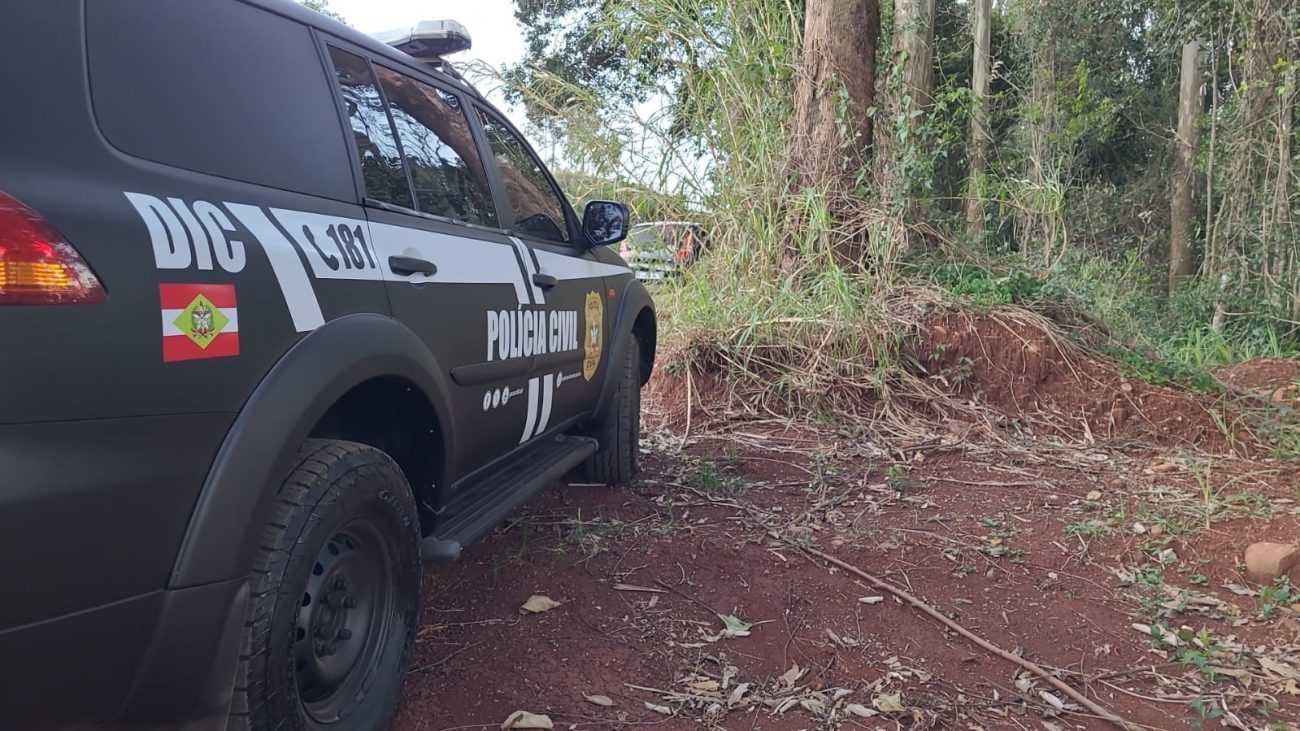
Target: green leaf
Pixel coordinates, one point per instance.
(734, 623)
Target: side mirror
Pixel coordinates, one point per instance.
(605, 222)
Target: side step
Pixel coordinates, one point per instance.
(514, 484)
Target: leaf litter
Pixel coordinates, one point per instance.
(714, 695)
(538, 603)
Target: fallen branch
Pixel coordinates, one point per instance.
(1134, 670)
(901, 593)
(811, 553)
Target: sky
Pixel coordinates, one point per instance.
(491, 24)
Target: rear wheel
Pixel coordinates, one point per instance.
(334, 599)
(619, 428)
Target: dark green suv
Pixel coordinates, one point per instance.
(286, 311)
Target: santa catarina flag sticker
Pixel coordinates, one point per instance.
(199, 321)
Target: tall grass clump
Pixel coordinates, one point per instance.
(769, 309)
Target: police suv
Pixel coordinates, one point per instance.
(285, 310)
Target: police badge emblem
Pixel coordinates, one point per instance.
(592, 334)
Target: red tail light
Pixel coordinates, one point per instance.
(37, 265)
(686, 249)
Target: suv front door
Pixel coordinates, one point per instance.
(567, 373)
(453, 277)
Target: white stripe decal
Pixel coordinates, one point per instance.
(304, 308)
(548, 386)
(459, 260)
(326, 254)
(171, 247)
(532, 411)
(564, 266)
(169, 318)
(198, 236)
(529, 270)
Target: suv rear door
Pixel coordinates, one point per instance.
(568, 276)
(453, 278)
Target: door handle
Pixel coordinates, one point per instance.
(407, 265)
(545, 281)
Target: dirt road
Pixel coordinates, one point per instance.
(1116, 571)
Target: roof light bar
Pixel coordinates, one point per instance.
(428, 40)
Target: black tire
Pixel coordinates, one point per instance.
(334, 596)
(619, 429)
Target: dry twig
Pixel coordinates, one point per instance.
(917, 603)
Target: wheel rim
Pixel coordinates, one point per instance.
(343, 622)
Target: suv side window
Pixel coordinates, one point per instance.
(441, 154)
(535, 203)
(168, 86)
(381, 160)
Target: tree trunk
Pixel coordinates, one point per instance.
(979, 136)
(1181, 260)
(1209, 249)
(1037, 220)
(914, 50)
(1252, 242)
(1284, 197)
(910, 93)
(839, 58)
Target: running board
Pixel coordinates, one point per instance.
(515, 484)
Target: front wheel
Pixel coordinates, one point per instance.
(334, 596)
(619, 429)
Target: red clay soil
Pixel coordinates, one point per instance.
(1022, 372)
(1054, 554)
(642, 575)
(680, 403)
(1274, 379)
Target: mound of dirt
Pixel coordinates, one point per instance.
(676, 402)
(1009, 371)
(1024, 371)
(1274, 379)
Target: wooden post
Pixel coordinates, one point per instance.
(1182, 262)
(979, 136)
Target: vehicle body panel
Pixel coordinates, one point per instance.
(660, 250)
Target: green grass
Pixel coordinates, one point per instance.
(1199, 650)
(1161, 373)
(1280, 593)
(1165, 341)
(985, 288)
(1088, 529)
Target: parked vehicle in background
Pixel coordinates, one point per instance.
(661, 249)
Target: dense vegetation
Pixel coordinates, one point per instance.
(695, 106)
(1129, 168)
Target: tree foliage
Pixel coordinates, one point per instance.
(1082, 110)
(617, 51)
(322, 7)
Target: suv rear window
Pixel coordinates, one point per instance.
(217, 87)
(441, 155)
